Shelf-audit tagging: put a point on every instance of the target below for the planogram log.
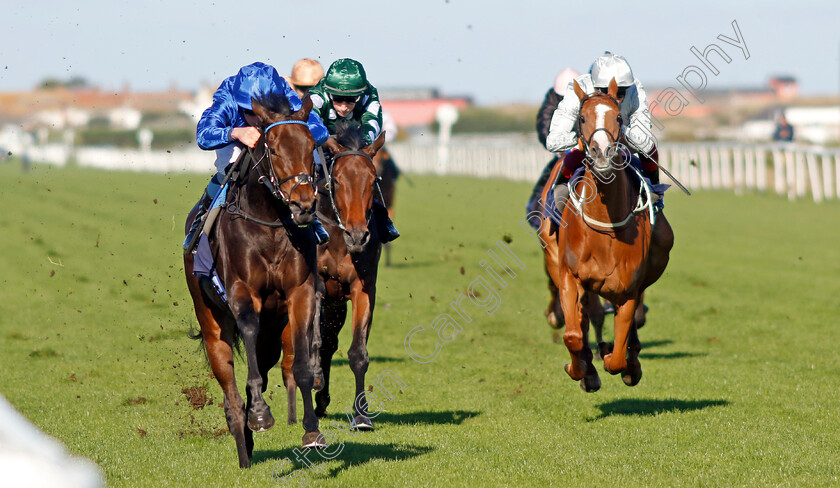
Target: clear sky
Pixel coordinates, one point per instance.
(496, 51)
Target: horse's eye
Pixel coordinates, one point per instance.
(581, 119)
(620, 120)
(271, 151)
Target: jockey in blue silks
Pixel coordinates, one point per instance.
(230, 125)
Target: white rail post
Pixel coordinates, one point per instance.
(738, 169)
(778, 171)
(714, 157)
(761, 169)
(827, 177)
(790, 173)
(703, 162)
(814, 176)
(749, 167)
(725, 167)
(801, 174)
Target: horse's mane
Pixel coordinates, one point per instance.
(277, 103)
(349, 134)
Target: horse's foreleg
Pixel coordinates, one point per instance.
(301, 306)
(246, 308)
(615, 362)
(363, 303)
(571, 294)
(332, 320)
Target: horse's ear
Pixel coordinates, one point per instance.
(333, 145)
(579, 91)
(612, 90)
(376, 146)
(306, 107)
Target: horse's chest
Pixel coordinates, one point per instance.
(337, 273)
(610, 267)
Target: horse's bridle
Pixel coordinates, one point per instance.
(270, 179)
(331, 187)
(587, 142)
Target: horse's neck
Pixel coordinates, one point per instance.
(614, 200)
(255, 198)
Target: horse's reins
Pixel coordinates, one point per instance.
(271, 181)
(641, 202)
(331, 188)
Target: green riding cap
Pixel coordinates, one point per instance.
(345, 77)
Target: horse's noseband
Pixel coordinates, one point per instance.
(331, 187)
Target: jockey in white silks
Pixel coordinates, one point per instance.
(634, 110)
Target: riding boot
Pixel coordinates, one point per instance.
(321, 233)
(192, 236)
(384, 224)
(653, 176)
(561, 193)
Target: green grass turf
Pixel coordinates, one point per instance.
(741, 371)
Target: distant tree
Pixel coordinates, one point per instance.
(73, 83)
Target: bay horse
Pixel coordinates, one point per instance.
(348, 263)
(611, 247)
(266, 264)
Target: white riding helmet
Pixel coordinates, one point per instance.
(561, 82)
(610, 66)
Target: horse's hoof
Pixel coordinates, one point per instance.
(260, 422)
(552, 319)
(590, 383)
(313, 440)
(604, 349)
(360, 422)
(576, 377)
(318, 382)
(632, 374)
(607, 365)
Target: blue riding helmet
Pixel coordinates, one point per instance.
(257, 80)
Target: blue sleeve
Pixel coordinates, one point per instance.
(218, 120)
(317, 128)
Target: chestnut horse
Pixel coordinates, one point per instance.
(613, 244)
(266, 264)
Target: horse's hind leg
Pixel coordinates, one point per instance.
(301, 306)
(357, 355)
(220, 357)
(595, 312)
(288, 376)
(332, 319)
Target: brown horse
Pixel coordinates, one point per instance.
(267, 266)
(610, 247)
(349, 262)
